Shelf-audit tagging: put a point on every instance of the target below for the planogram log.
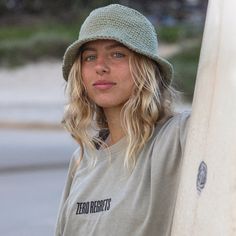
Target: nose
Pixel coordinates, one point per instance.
(101, 66)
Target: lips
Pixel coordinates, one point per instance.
(103, 84)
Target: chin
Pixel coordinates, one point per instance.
(110, 105)
(107, 105)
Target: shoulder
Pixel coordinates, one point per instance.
(79, 162)
(173, 130)
(177, 119)
(74, 162)
(176, 122)
(76, 155)
(167, 143)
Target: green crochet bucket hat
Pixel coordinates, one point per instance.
(123, 24)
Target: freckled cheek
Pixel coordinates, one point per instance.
(127, 80)
(84, 73)
(86, 78)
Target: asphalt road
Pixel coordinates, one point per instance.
(33, 168)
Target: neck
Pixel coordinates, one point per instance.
(114, 125)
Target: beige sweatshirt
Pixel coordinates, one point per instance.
(107, 200)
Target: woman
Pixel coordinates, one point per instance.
(124, 180)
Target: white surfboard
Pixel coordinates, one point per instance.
(206, 201)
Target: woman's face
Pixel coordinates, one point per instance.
(106, 74)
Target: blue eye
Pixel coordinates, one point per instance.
(118, 55)
(89, 58)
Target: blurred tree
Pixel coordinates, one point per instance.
(34, 6)
(2, 8)
(61, 9)
(73, 9)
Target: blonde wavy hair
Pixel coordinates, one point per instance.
(150, 103)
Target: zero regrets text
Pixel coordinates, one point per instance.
(93, 206)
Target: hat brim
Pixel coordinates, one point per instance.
(73, 50)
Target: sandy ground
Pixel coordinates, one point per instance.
(32, 94)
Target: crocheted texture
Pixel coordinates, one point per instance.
(124, 25)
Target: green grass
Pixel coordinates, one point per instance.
(185, 65)
(20, 45)
(177, 33)
(14, 33)
(39, 46)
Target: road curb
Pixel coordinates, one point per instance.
(33, 167)
(30, 126)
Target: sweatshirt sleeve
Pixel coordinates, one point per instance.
(70, 175)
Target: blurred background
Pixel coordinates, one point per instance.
(34, 148)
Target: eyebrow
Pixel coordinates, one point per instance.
(115, 45)
(109, 47)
